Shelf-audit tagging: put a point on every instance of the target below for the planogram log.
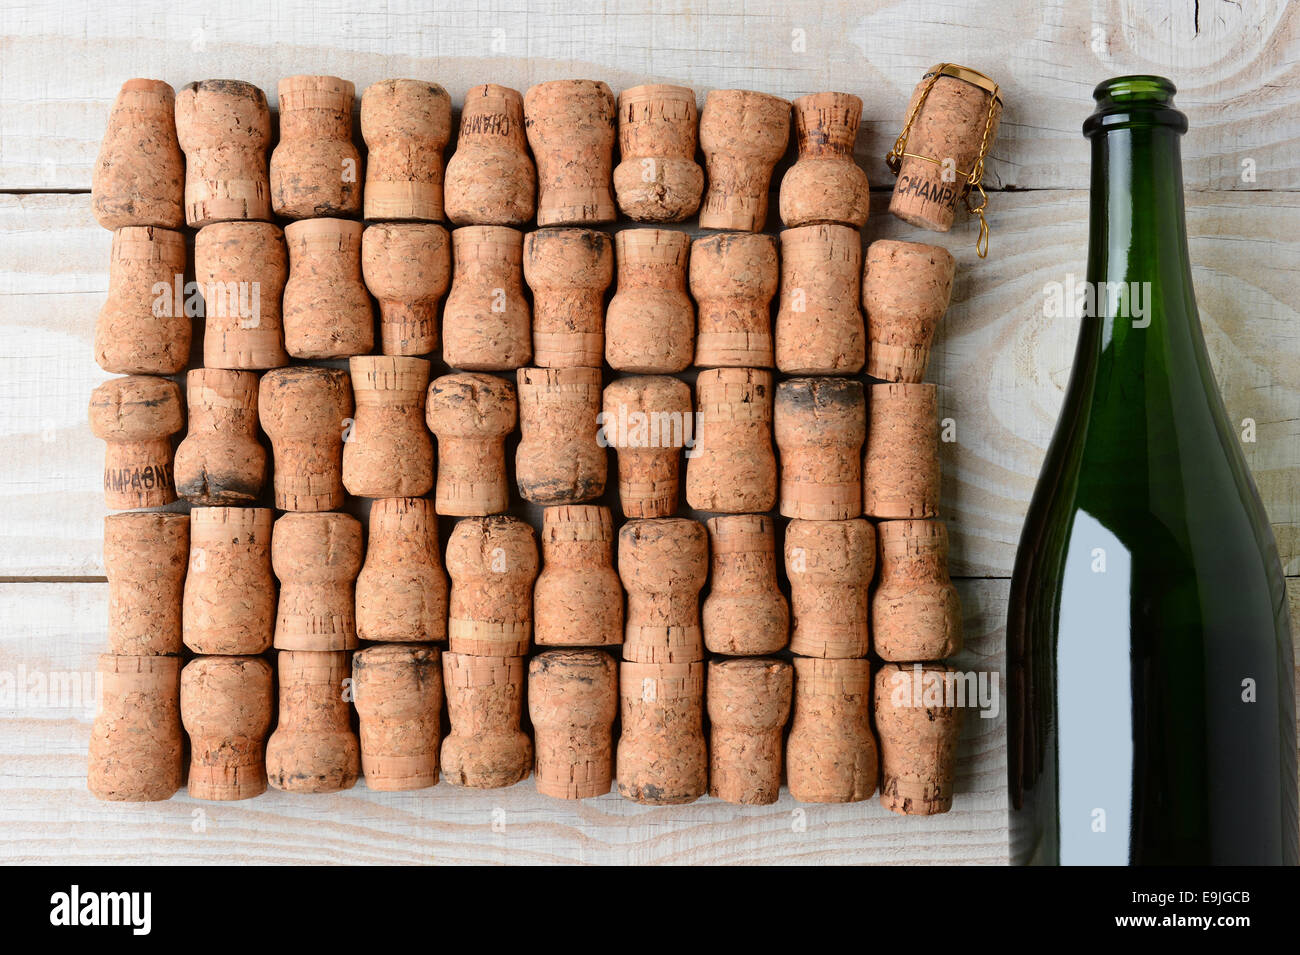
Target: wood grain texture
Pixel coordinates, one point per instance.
(1237, 65)
(58, 629)
(1000, 365)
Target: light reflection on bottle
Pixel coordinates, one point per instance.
(1094, 701)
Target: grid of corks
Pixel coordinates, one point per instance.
(581, 649)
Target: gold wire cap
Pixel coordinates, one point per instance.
(974, 77)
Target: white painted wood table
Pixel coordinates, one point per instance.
(1000, 365)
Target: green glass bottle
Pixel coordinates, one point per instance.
(1151, 707)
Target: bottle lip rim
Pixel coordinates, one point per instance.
(1134, 100)
(1136, 87)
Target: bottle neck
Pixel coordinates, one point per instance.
(1139, 269)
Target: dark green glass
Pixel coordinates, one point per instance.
(1151, 707)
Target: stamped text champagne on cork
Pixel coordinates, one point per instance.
(490, 177)
(136, 417)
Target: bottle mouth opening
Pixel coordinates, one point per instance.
(1139, 100)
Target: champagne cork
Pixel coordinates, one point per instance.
(570, 126)
(658, 179)
(224, 126)
(825, 185)
(559, 460)
(406, 125)
(388, 452)
(315, 168)
(831, 754)
(486, 323)
(745, 612)
(578, 600)
(662, 758)
(819, 325)
(830, 565)
(490, 177)
(136, 741)
(136, 417)
(663, 564)
(327, 313)
(402, 588)
(900, 468)
(732, 467)
(313, 748)
(471, 415)
(820, 424)
(486, 749)
(905, 291)
(242, 268)
(572, 701)
(304, 412)
(139, 174)
(229, 590)
(952, 124)
(919, 724)
(407, 267)
(226, 705)
(650, 322)
(749, 705)
(742, 134)
(398, 694)
(145, 556)
(647, 420)
(733, 279)
(493, 565)
(568, 271)
(915, 611)
(316, 558)
(139, 331)
(221, 461)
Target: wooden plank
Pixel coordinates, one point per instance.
(53, 280)
(59, 628)
(1237, 66)
(49, 816)
(1001, 366)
